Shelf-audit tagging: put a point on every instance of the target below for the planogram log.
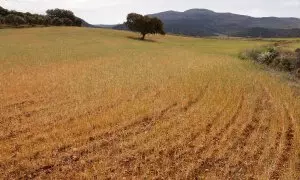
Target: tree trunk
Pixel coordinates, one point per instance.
(143, 37)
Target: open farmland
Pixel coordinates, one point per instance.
(87, 103)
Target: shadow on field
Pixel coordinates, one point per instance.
(139, 39)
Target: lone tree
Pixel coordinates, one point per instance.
(144, 24)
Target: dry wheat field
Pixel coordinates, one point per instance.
(82, 103)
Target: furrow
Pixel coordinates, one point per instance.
(286, 151)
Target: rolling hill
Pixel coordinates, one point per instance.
(203, 22)
(86, 103)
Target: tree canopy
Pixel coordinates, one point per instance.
(144, 24)
(54, 17)
(60, 13)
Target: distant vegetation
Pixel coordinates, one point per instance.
(268, 33)
(53, 17)
(275, 57)
(144, 24)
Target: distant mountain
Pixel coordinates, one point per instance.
(203, 22)
(104, 25)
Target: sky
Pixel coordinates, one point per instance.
(115, 11)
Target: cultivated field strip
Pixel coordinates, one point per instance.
(144, 113)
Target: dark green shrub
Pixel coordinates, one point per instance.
(285, 61)
(297, 63)
(285, 65)
(252, 54)
(297, 73)
(274, 52)
(265, 58)
(264, 55)
(274, 56)
(275, 62)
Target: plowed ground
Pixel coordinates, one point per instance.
(95, 104)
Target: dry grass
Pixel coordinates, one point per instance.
(87, 103)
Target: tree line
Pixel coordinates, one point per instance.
(53, 17)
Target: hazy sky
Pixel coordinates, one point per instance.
(115, 11)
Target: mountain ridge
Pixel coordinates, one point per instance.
(204, 22)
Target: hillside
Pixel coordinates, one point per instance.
(203, 22)
(85, 103)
